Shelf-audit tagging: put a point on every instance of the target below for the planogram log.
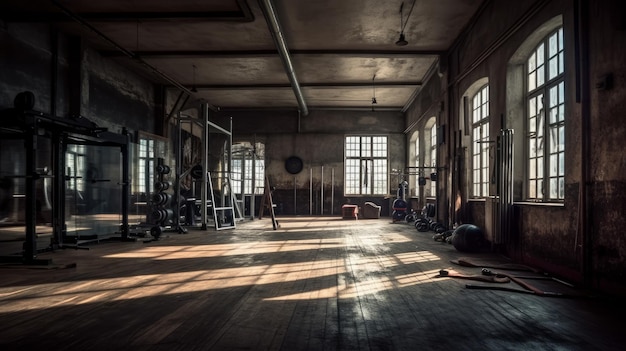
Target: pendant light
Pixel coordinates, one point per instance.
(374, 102)
(402, 40)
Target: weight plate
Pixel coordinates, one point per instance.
(293, 164)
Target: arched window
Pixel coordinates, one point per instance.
(431, 156)
(480, 142)
(414, 157)
(545, 119)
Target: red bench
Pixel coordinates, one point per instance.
(350, 211)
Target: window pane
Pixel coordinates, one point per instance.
(554, 184)
(532, 81)
(553, 165)
(532, 147)
(553, 45)
(532, 189)
(541, 76)
(553, 68)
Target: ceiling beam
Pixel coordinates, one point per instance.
(265, 53)
(243, 14)
(23, 16)
(337, 85)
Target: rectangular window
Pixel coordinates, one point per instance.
(145, 170)
(480, 143)
(242, 173)
(146, 154)
(366, 170)
(75, 166)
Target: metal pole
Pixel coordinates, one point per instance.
(179, 168)
(311, 191)
(322, 193)
(295, 194)
(332, 191)
(253, 196)
(205, 164)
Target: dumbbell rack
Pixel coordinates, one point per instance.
(162, 215)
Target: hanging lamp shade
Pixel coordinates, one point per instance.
(402, 41)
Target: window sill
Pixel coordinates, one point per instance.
(522, 203)
(544, 204)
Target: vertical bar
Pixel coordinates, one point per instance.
(179, 171)
(205, 169)
(295, 194)
(58, 188)
(332, 191)
(125, 185)
(322, 192)
(253, 196)
(311, 191)
(242, 181)
(30, 245)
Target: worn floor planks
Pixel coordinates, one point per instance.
(316, 283)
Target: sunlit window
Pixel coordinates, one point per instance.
(417, 161)
(75, 166)
(145, 168)
(366, 171)
(433, 158)
(546, 136)
(245, 158)
(480, 142)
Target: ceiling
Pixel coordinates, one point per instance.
(268, 54)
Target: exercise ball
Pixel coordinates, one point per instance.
(468, 238)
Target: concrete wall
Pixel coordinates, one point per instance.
(581, 238)
(318, 139)
(69, 78)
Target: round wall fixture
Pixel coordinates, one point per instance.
(293, 164)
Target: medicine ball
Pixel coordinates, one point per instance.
(468, 238)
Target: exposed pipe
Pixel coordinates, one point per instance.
(275, 28)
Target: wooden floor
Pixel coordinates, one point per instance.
(314, 284)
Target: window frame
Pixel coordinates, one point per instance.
(544, 95)
(366, 174)
(432, 151)
(480, 143)
(144, 173)
(241, 167)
